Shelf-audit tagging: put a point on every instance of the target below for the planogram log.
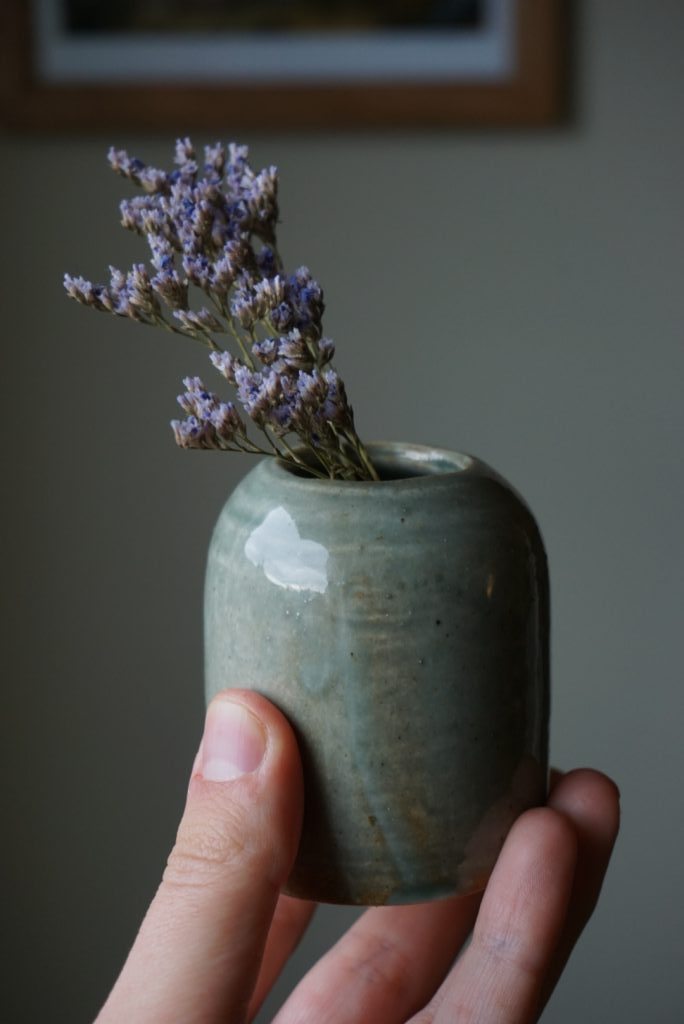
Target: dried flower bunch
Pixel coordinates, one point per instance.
(212, 235)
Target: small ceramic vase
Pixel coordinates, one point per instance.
(403, 629)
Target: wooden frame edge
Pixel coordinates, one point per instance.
(535, 96)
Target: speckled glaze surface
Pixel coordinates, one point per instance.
(402, 627)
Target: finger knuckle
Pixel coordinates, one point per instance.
(508, 950)
(203, 852)
(380, 961)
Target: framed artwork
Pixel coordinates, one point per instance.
(223, 65)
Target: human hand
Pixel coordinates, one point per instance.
(218, 932)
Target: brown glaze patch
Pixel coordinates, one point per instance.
(419, 825)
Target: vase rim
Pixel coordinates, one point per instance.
(403, 463)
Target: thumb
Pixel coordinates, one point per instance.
(197, 954)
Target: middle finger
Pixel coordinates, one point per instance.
(386, 966)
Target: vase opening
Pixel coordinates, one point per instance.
(397, 461)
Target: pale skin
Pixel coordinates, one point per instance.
(218, 931)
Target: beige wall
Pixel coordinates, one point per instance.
(518, 296)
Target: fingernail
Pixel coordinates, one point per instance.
(234, 742)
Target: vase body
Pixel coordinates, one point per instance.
(402, 627)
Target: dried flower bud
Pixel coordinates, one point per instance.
(227, 266)
(243, 308)
(198, 270)
(283, 317)
(140, 292)
(326, 349)
(215, 158)
(85, 292)
(335, 408)
(189, 433)
(184, 151)
(226, 421)
(267, 351)
(168, 285)
(201, 320)
(225, 364)
(268, 293)
(266, 261)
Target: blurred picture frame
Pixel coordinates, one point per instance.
(69, 66)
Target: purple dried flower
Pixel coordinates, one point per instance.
(250, 391)
(184, 151)
(294, 351)
(267, 351)
(171, 288)
(196, 399)
(135, 211)
(161, 251)
(266, 261)
(198, 270)
(253, 197)
(238, 172)
(311, 389)
(202, 218)
(243, 308)
(185, 159)
(226, 421)
(226, 268)
(320, 402)
(297, 302)
(283, 416)
(335, 408)
(260, 393)
(306, 297)
(150, 178)
(189, 433)
(283, 317)
(252, 303)
(261, 201)
(190, 244)
(210, 423)
(225, 364)
(124, 165)
(153, 180)
(291, 353)
(85, 292)
(221, 224)
(140, 292)
(118, 160)
(215, 158)
(200, 320)
(156, 225)
(215, 433)
(166, 282)
(326, 349)
(117, 279)
(116, 297)
(268, 294)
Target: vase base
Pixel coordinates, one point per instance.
(428, 893)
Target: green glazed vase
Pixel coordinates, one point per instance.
(403, 629)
